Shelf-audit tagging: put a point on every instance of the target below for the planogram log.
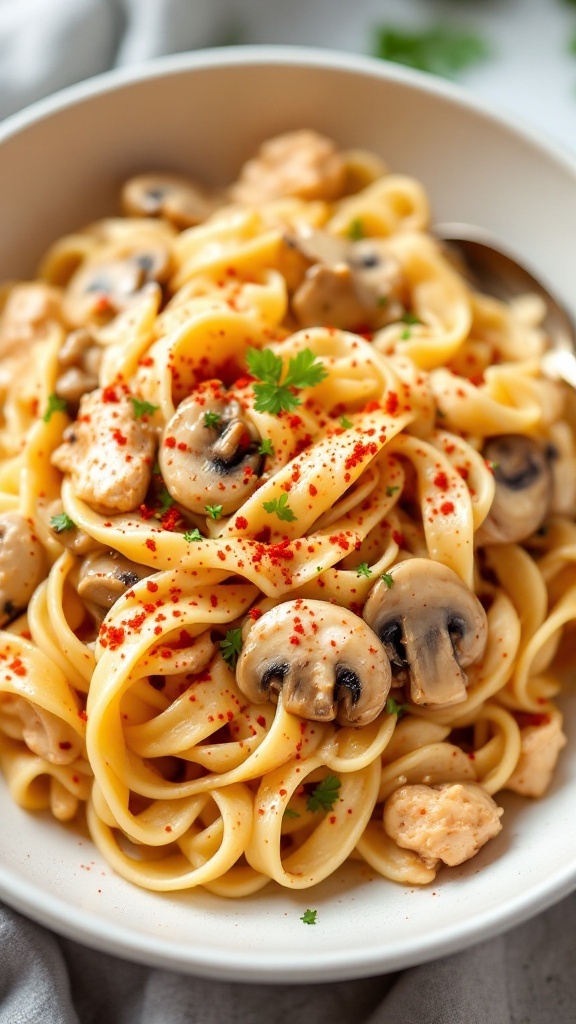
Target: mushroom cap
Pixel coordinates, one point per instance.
(22, 564)
(175, 197)
(523, 493)
(214, 461)
(104, 576)
(432, 626)
(325, 659)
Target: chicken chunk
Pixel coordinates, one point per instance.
(302, 163)
(450, 822)
(108, 451)
(30, 307)
(541, 744)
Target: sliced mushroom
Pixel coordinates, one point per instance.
(104, 577)
(172, 196)
(101, 288)
(301, 163)
(28, 309)
(209, 453)
(79, 361)
(432, 626)
(108, 451)
(22, 564)
(349, 284)
(327, 662)
(524, 489)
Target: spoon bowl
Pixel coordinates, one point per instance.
(496, 272)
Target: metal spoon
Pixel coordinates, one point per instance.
(496, 273)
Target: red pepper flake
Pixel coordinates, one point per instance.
(312, 490)
(463, 471)
(171, 518)
(17, 667)
(119, 437)
(255, 614)
(151, 586)
(151, 544)
(170, 441)
(109, 394)
(295, 641)
(83, 716)
(65, 745)
(398, 538)
(115, 637)
(137, 620)
(240, 523)
(261, 721)
(441, 481)
(526, 718)
(446, 508)
(341, 540)
(371, 406)
(213, 600)
(391, 403)
(359, 453)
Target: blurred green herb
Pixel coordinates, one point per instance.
(439, 50)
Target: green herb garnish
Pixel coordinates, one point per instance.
(345, 423)
(212, 419)
(439, 50)
(388, 579)
(55, 404)
(356, 230)
(192, 535)
(290, 813)
(309, 916)
(363, 570)
(142, 408)
(281, 508)
(324, 795)
(391, 490)
(394, 708)
(231, 646)
(214, 511)
(304, 371)
(266, 447)
(61, 523)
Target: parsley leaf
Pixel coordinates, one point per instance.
(345, 423)
(324, 795)
(266, 447)
(388, 579)
(290, 813)
(391, 490)
(61, 523)
(394, 708)
(281, 508)
(363, 570)
(309, 916)
(142, 408)
(192, 535)
(55, 404)
(231, 646)
(212, 419)
(304, 371)
(166, 501)
(439, 50)
(214, 511)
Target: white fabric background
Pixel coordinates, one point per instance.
(527, 976)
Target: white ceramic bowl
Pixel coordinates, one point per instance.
(60, 165)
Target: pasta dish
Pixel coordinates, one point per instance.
(287, 539)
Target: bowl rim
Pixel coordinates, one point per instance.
(263, 54)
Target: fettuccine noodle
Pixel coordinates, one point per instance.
(287, 539)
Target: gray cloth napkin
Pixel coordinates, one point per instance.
(527, 976)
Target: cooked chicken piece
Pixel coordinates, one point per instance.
(29, 308)
(108, 451)
(449, 822)
(541, 744)
(301, 163)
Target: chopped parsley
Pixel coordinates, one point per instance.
(388, 579)
(61, 523)
(391, 490)
(214, 511)
(394, 708)
(363, 570)
(345, 423)
(55, 404)
(142, 408)
(440, 50)
(192, 535)
(324, 795)
(356, 230)
(266, 447)
(290, 813)
(212, 419)
(309, 916)
(166, 501)
(280, 507)
(304, 371)
(231, 646)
